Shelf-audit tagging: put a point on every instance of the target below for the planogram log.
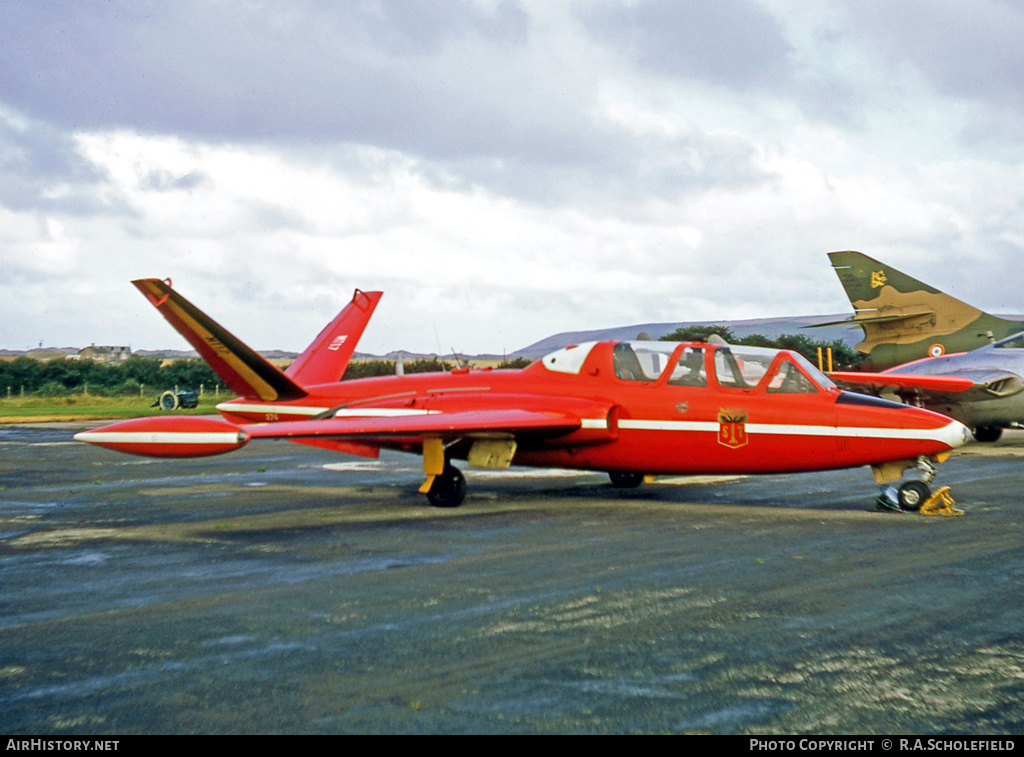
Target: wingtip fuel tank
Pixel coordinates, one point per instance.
(168, 436)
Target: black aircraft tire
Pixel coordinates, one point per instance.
(987, 433)
(622, 480)
(448, 489)
(913, 494)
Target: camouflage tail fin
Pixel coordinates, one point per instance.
(905, 319)
(247, 372)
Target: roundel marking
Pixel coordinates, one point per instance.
(936, 350)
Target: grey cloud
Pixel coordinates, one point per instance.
(163, 181)
(416, 26)
(736, 45)
(451, 83)
(663, 168)
(730, 43)
(41, 168)
(969, 51)
(360, 71)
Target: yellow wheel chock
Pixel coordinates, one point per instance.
(940, 503)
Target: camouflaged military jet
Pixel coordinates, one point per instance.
(905, 319)
(933, 350)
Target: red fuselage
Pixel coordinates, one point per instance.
(628, 408)
(655, 426)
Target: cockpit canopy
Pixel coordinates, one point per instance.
(698, 365)
(1015, 342)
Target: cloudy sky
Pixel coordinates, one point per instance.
(501, 169)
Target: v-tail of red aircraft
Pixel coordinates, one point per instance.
(632, 409)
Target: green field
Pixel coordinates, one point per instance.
(87, 407)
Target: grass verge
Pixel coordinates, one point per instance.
(88, 408)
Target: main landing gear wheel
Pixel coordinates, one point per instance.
(448, 489)
(622, 480)
(987, 433)
(912, 494)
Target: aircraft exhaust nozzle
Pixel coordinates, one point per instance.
(168, 436)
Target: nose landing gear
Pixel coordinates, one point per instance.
(916, 495)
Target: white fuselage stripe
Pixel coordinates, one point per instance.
(303, 410)
(381, 412)
(950, 433)
(159, 437)
(308, 411)
(945, 433)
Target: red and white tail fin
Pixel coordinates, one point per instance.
(324, 361)
(243, 369)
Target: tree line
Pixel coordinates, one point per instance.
(371, 368)
(139, 375)
(133, 376)
(844, 357)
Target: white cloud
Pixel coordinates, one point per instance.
(502, 170)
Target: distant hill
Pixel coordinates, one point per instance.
(769, 327)
(191, 354)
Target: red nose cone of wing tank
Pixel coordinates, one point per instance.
(168, 436)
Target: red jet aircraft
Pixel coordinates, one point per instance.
(632, 409)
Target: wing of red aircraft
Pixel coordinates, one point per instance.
(365, 428)
(487, 423)
(489, 436)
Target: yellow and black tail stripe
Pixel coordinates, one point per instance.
(244, 370)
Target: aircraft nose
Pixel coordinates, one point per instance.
(955, 434)
(951, 433)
